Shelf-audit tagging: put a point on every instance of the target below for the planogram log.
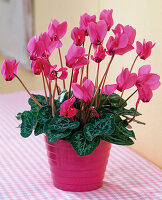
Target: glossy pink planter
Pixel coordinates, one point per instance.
(71, 172)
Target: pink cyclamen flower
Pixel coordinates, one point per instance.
(106, 15)
(144, 50)
(84, 92)
(75, 58)
(9, 69)
(126, 80)
(123, 41)
(85, 20)
(40, 47)
(35, 48)
(57, 74)
(99, 54)
(75, 75)
(97, 32)
(36, 67)
(66, 110)
(49, 46)
(78, 36)
(146, 82)
(57, 31)
(109, 89)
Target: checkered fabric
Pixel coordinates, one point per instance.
(25, 174)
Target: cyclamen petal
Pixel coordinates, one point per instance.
(84, 92)
(66, 111)
(85, 19)
(97, 32)
(109, 89)
(145, 69)
(126, 80)
(146, 82)
(9, 69)
(99, 55)
(35, 48)
(123, 40)
(36, 67)
(75, 75)
(63, 74)
(57, 31)
(78, 36)
(144, 50)
(75, 58)
(106, 15)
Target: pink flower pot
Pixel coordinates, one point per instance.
(71, 172)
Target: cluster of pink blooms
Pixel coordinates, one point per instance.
(40, 49)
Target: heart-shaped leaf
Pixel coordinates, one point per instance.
(45, 114)
(39, 129)
(54, 136)
(118, 138)
(60, 124)
(122, 128)
(41, 99)
(99, 127)
(28, 123)
(81, 145)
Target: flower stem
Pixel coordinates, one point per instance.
(130, 72)
(101, 81)
(105, 76)
(45, 88)
(28, 91)
(81, 75)
(128, 98)
(134, 115)
(97, 74)
(53, 98)
(133, 63)
(96, 81)
(61, 65)
(50, 92)
(82, 70)
(87, 71)
(70, 83)
(105, 100)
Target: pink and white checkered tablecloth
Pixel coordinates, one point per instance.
(25, 174)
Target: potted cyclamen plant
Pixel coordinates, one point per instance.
(84, 120)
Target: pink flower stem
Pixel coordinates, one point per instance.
(97, 74)
(128, 98)
(81, 75)
(134, 115)
(28, 91)
(50, 92)
(130, 72)
(70, 83)
(48, 85)
(86, 112)
(101, 81)
(133, 63)
(81, 104)
(88, 59)
(61, 65)
(105, 76)
(45, 88)
(96, 81)
(58, 90)
(105, 100)
(53, 98)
